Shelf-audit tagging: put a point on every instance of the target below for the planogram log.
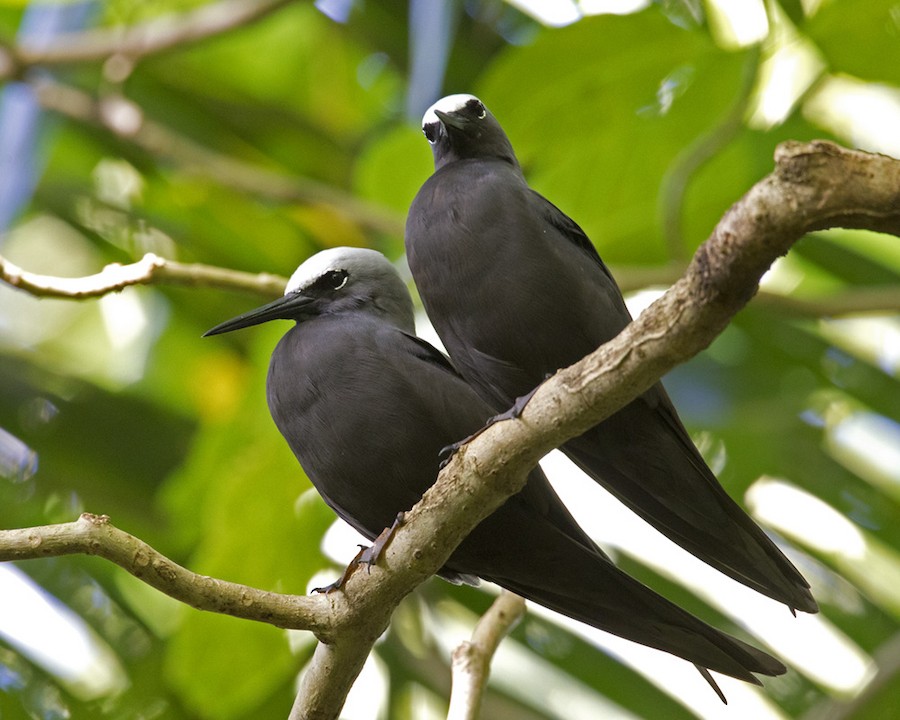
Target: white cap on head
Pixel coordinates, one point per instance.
(364, 281)
(448, 104)
(354, 260)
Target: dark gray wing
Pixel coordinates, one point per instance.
(516, 291)
(370, 415)
(570, 230)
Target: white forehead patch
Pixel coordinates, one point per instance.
(448, 104)
(354, 260)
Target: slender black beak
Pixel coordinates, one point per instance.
(454, 120)
(288, 307)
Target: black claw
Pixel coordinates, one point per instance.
(519, 405)
(348, 571)
(368, 556)
(336, 585)
(448, 451)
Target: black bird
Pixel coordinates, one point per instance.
(516, 290)
(366, 407)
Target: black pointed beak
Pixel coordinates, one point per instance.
(288, 307)
(454, 120)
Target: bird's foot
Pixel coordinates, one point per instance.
(518, 407)
(367, 555)
(345, 576)
(446, 453)
(513, 413)
(370, 555)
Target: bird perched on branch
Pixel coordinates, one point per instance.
(366, 406)
(516, 291)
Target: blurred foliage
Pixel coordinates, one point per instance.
(635, 125)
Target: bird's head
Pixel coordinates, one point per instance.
(460, 127)
(334, 281)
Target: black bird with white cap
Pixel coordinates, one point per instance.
(516, 291)
(366, 407)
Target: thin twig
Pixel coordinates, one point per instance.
(149, 270)
(153, 270)
(859, 301)
(95, 535)
(471, 661)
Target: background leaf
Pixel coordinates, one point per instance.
(267, 143)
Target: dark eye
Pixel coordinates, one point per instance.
(476, 108)
(431, 132)
(334, 279)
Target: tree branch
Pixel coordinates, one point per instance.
(164, 33)
(149, 270)
(95, 535)
(849, 302)
(126, 120)
(814, 186)
(471, 661)
(154, 270)
(855, 301)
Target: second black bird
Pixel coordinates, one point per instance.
(516, 291)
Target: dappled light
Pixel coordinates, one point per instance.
(248, 136)
(55, 638)
(858, 556)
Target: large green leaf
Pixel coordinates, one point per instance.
(603, 115)
(859, 37)
(240, 497)
(598, 112)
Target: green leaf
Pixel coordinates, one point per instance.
(859, 37)
(794, 10)
(598, 138)
(243, 499)
(379, 177)
(223, 667)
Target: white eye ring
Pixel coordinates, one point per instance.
(483, 114)
(343, 282)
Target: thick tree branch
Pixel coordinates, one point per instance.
(164, 33)
(814, 186)
(471, 662)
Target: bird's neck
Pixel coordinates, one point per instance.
(452, 158)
